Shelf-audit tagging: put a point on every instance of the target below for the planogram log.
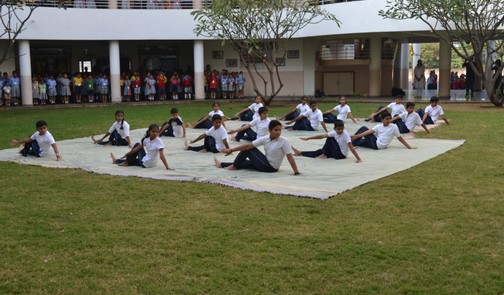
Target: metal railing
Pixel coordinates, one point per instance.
(137, 4)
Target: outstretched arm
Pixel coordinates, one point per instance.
(295, 119)
(323, 125)
(318, 136)
(56, 151)
(21, 141)
(403, 141)
(352, 117)
(183, 131)
(239, 113)
(365, 133)
(354, 152)
(445, 119)
(425, 128)
(202, 119)
(203, 135)
(243, 147)
(163, 159)
(293, 164)
(244, 127)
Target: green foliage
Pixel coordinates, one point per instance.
(468, 26)
(259, 30)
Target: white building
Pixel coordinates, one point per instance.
(367, 55)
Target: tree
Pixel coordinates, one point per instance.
(258, 31)
(471, 27)
(14, 15)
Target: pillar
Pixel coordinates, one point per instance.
(199, 74)
(309, 54)
(375, 67)
(444, 69)
(112, 4)
(25, 73)
(197, 4)
(115, 71)
(404, 67)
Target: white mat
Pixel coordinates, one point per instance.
(320, 178)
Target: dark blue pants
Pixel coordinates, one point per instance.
(303, 124)
(247, 134)
(133, 159)
(168, 131)
(377, 118)
(330, 118)
(331, 149)
(251, 159)
(207, 124)
(115, 139)
(248, 115)
(367, 141)
(402, 127)
(292, 116)
(31, 148)
(428, 120)
(209, 145)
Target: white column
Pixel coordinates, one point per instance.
(199, 65)
(25, 73)
(404, 67)
(375, 67)
(444, 69)
(309, 66)
(115, 71)
(416, 55)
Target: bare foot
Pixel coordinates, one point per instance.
(323, 156)
(186, 145)
(203, 151)
(217, 163)
(230, 167)
(114, 159)
(296, 151)
(233, 138)
(94, 140)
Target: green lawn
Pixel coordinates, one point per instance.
(437, 228)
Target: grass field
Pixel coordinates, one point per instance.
(437, 228)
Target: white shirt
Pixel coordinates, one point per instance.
(178, 131)
(342, 139)
(152, 153)
(124, 132)
(315, 117)
(384, 135)
(261, 126)
(303, 108)
(255, 108)
(342, 111)
(219, 135)
(44, 141)
(396, 109)
(219, 112)
(411, 120)
(275, 150)
(434, 112)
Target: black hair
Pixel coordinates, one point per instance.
(273, 124)
(410, 104)
(313, 102)
(173, 111)
(339, 123)
(216, 117)
(399, 96)
(262, 110)
(385, 115)
(151, 126)
(434, 99)
(120, 112)
(215, 104)
(40, 123)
